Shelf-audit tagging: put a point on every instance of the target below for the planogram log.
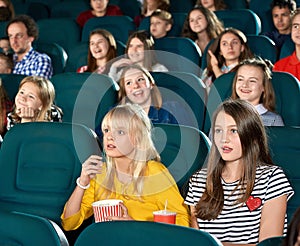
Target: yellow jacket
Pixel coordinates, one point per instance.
(159, 186)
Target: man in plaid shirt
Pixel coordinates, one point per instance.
(22, 31)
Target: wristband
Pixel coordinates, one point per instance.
(81, 186)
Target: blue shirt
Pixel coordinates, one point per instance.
(34, 63)
(161, 116)
(278, 39)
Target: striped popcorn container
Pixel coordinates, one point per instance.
(105, 208)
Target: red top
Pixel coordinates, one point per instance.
(83, 17)
(289, 64)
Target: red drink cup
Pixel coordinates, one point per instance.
(164, 216)
(105, 208)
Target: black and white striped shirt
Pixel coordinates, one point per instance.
(236, 223)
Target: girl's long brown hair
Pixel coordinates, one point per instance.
(255, 152)
(214, 25)
(215, 48)
(111, 53)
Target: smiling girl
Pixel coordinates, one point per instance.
(252, 83)
(139, 50)
(241, 196)
(102, 49)
(137, 86)
(202, 25)
(34, 102)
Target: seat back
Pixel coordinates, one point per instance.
(40, 162)
(38, 10)
(29, 230)
(243, 19)
(63, 31)
(178, 54)
(118, 26)
(262, 46)
(149, 233)
(77, 57)
(220, 91)
(3, 25)
(85, 98)
(181, 6)
(264, 12)
(183, 151)
(285, 151)
(130, 8)
(236, 4)
(287, 48)
(57, 54)
(272, 241)
(11, 83)
(287, 92)
(68, 9)
(186, 89)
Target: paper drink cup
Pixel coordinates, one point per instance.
(164, 216)
(105, 208)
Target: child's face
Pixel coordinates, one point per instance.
(137, 87)
(3, 66)
(249, 84)
(136, 50)
(2, 4)
(4, 45)
(231, 47)
(197, 21)
(98, 46)
(99, 5)
(226, 138)
(117, 142)
(159, 27)
(296, 30)
(209, 4)
(28, 97)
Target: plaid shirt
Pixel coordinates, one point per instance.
(34, 63)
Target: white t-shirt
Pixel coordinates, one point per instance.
(237, 223)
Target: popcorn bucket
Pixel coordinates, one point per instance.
(104, 208)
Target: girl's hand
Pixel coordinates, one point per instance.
(91, 167)
(27, 114)
(124, 216)
(122, 62)
(213, 59)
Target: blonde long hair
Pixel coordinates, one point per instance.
(133, 118)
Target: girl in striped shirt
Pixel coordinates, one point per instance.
(241, 196)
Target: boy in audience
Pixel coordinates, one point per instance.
(281, 15)
(161, 22)
(99, 8)
(22, 31)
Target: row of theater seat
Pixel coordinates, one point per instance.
(73, 89)
(65, 43)
(36, 230)
(39, 183)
